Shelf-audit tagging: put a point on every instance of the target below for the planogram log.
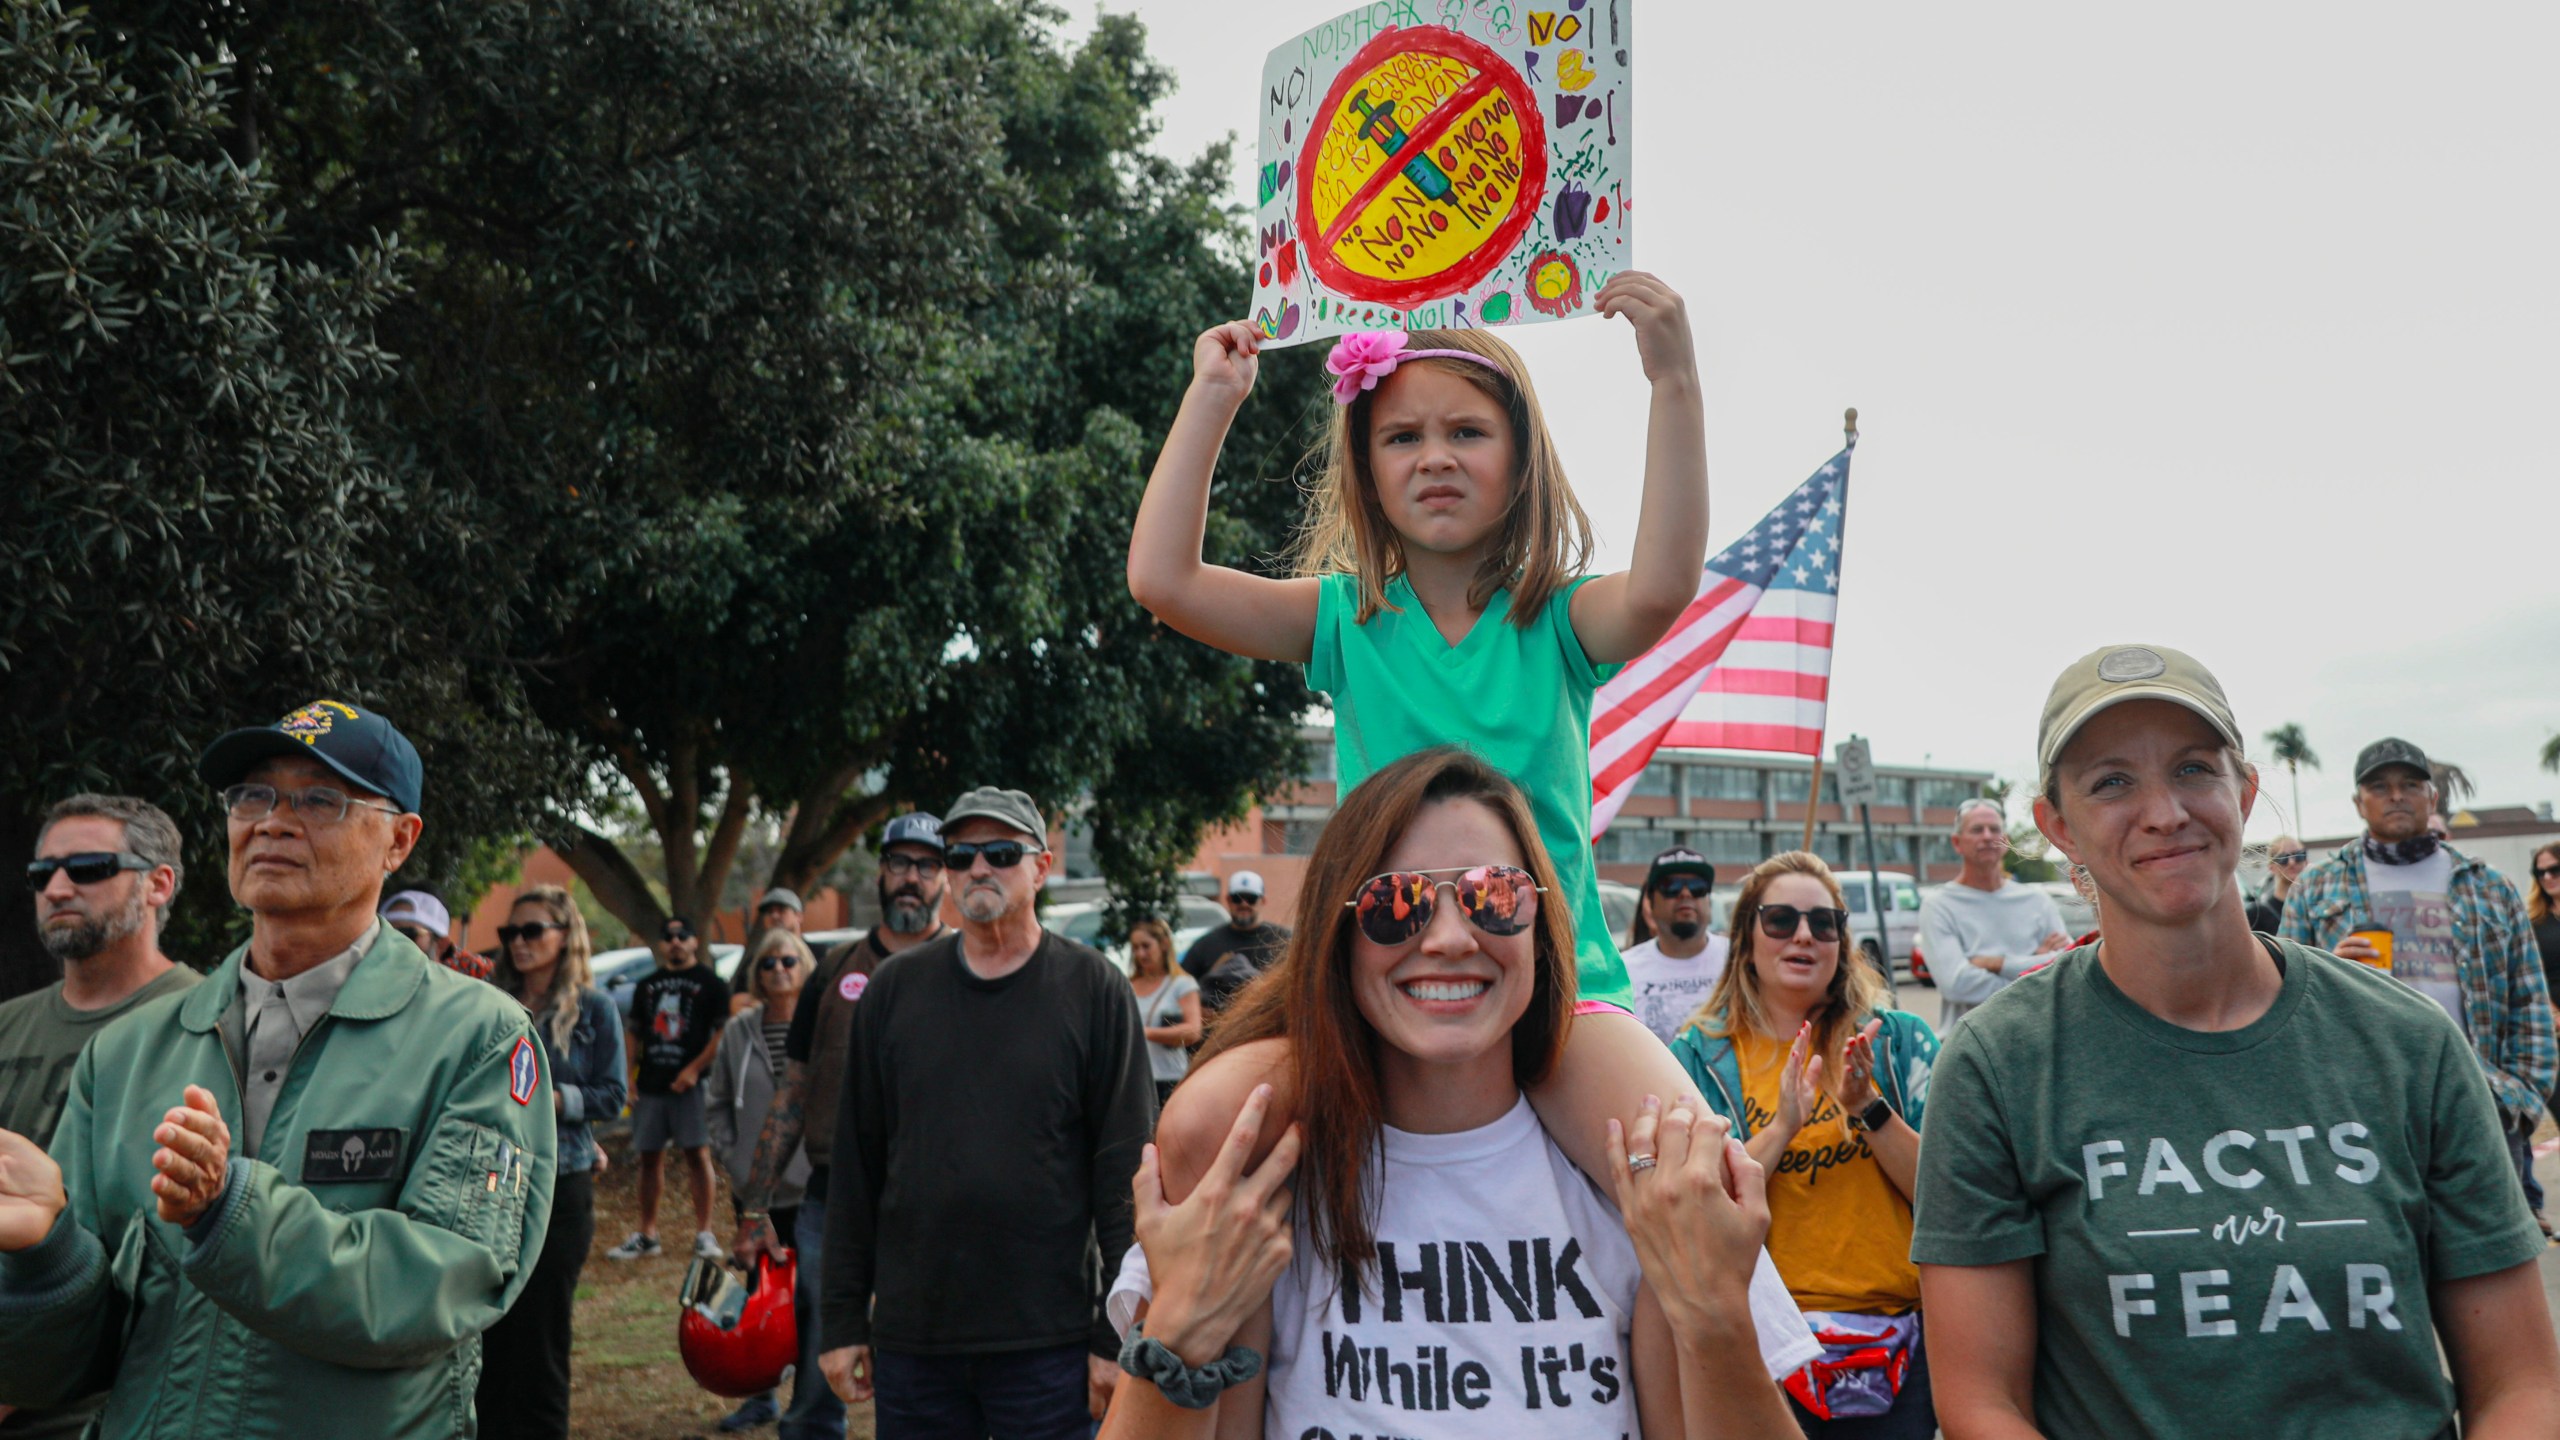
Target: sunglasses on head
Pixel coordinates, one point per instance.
(1395, 907)
(1001, 854)
(86, 868)
(1779, 922)
(1688, 885)
(527, 932)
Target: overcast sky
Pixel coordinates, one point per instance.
(2222, 327)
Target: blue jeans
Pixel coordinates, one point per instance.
(2520, 1146)
(1009, 1395)
(815, 1413)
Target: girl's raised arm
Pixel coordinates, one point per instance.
(1618, 617)
(1250, 615)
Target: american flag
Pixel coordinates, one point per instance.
(1748, 664)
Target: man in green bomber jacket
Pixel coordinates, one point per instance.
(286, 1203)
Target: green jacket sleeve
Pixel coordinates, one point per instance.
(58, 1300)
(381, 1289)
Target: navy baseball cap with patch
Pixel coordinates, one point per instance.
(357, 743)
(913, 828)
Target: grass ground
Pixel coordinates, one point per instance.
(627, 1382)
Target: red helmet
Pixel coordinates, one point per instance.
(737, 1338)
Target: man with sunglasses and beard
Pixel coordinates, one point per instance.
(1228, 956)
(995, 1101)
(1674, 956)
(106, 871)
(804, 1108)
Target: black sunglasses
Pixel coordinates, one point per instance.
(777, 962)
(1395, 907)
(1001, 854)
(1689, 885)
(675, 932)
(528, 932)
(1238, 897)
(2540, 872)
(1779, 922)
(86, 868)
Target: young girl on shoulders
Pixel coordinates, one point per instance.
(1441, 599)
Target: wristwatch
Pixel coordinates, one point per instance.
(1871, 1116)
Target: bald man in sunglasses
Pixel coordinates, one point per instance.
(996, 1096)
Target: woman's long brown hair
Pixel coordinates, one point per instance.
(2537, 906)
(1308, 997)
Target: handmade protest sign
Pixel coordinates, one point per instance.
(1441, 164)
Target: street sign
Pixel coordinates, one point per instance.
(1857, 771)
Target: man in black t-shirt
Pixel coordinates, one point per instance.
(1228, 956)
(676, 1015)
(996, 1096)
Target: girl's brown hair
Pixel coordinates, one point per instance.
(1855, 991)
(1308, 997)
(1163, 936)
(1545, 538)
(555, 1011)
(2537, 905)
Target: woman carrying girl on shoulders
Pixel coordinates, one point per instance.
(1442, 599)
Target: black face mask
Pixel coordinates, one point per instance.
(1683, 931)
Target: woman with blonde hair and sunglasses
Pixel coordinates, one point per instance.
(2192, 1180)
(1825, 1087)
(542, 961)
(1452, 1274)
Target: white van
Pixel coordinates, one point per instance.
(1901, 912)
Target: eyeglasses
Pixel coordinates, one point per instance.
(528, 932)
(86, 868)
(1001, 854)
(910, 864)
(321, 804)
(777, 962)
(2289, 857)
(1496, 899)
(1779, 922)
(1682, 885)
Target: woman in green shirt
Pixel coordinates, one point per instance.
(2195, 1181)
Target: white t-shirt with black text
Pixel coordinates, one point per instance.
(1669, 990)
(1500, 1304)
(2414, 903)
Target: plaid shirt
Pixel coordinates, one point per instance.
(2503, 990)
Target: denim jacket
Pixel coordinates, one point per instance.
(2503, 989)
(1906, 1050)
(590, 1077)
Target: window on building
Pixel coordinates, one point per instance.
(1319, 766)
(1656, 779)
(1789, 787)
(1946, 794)
(1299, 836)
(1627, 845)
(1724, 782)
(1893, 789)
(1728, 847)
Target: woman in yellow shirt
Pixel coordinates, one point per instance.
(1826, 1090)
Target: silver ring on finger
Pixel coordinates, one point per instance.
(1638, 1164)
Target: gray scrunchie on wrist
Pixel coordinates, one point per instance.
(1191, 1389)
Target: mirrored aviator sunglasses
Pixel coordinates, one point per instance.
(1395, 907)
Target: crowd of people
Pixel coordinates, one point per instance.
(1440, 1157)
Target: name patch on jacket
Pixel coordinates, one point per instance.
(341, 1157)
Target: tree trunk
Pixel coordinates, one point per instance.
(25, 965)
(616, 883)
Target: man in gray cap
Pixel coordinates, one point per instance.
(995, 1101)
(2457, 934)
(288, 1200)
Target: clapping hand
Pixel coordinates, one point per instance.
(1799, 1082)
(1858, 1069)
(31, 1197)
(194, 1158)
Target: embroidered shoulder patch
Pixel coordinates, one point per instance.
(522, 1073)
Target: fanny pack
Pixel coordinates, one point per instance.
(1860, 1370)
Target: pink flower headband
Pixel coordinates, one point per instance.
(1364, 357)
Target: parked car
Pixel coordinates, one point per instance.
(2079, 917)
(1901, 912)
(1081, 921)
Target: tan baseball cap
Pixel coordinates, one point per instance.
(2117, 673)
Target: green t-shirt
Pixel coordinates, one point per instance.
(40, 1035)
(2235, 1233)
(1521, 698)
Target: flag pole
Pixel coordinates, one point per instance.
(1813, 792)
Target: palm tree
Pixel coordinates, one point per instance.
(2551, 754)
(2286, 744)
(2453, 784)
